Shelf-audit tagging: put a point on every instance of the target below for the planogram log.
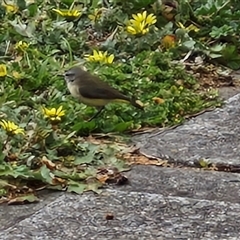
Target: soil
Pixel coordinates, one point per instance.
(209, 76)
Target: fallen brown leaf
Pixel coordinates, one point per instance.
(48, 163)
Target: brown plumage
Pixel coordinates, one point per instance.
(92, 91)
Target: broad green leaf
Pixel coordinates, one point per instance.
(78, 176)
(33, 9)
(30, 198)
(85, 159)
(76, 187)
(16, 172)
(121, 127)
(21, 4)
(189, 44)
(46, 174)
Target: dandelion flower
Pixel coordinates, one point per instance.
(53, 114)
(69, 14)
(140, 23)
(3, 70)
(191, 27)
(11, 127)
(21, 46)
(10, 8)
(99, 56)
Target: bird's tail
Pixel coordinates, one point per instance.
(137, 103)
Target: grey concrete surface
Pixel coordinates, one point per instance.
(159, 203)
(228, 92)
(12, 214)
(214, 136)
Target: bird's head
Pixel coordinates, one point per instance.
(73, 74)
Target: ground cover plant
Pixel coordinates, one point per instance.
(136, 46)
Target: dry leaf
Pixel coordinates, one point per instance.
(158, 100)
(48, 163)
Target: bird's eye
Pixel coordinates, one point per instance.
(67, 74)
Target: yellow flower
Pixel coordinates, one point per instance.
(139, 28)
(53, 114)
(10, 8)
(191, 27)
(70, 14)
(99, 56)
(21, 46)
(96, 15)
(11, 127)
(140, 23)
(16, 75)
(3, 70)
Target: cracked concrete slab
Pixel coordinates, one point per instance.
(159, 203)
(12, 214)
(137, 216)
(213, 135)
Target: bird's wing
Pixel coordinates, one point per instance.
(96, 92)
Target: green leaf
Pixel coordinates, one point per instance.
(43, 69)
(217, 48)
(33, 9)
(30, 198)
(77, 176)
(224, 30)
(16, 172)
(21, 4)
(89, 156)
(85, 159)
(94, 4)
(94, 186)
(46, 174)
(76, 187)
(84, 126)
(121, 127)
(189, 44)
(235, 65)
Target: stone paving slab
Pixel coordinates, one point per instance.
(159, 203)
(185, 182)
(12, 214)
(137, 216)
(213, 135)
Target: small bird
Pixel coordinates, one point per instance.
(92, 91)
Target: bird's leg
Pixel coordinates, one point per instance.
(97, 113)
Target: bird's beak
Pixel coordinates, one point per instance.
(61, 75)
